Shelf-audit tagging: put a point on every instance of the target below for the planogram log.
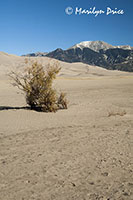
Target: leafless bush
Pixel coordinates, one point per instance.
(36, 83)
(114, 113)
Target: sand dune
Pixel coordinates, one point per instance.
(83, 152)
(13, 62)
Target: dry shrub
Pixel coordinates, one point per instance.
(36, 83)
(62, 101)
(114, 113)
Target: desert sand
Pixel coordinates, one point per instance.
(82, 153)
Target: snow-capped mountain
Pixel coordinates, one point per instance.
(97, 53)
(98, 45)
(126, 47)
(94, 45)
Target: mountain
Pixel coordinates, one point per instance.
(94, 45)
(119, 59)
(97, 53)
(84, 55)
(37, 54)
(98, 45)
(126, 47)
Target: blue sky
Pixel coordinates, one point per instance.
(42, 25)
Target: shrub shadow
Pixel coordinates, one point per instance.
(37, 109)
(14, 108)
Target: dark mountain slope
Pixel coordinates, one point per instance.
(111, 59)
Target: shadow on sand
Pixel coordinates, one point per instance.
(14, 108)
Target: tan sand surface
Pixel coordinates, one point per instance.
(82, 153)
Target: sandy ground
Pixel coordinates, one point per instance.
(82, 153)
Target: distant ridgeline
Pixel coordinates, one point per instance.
(96, 53)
